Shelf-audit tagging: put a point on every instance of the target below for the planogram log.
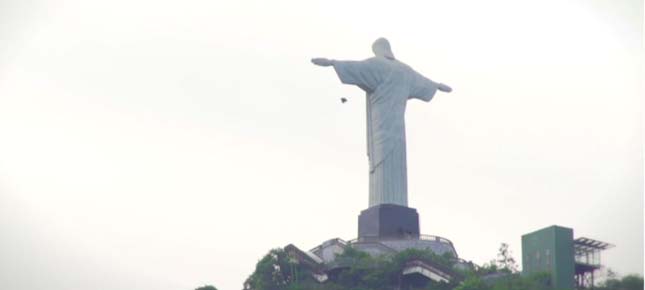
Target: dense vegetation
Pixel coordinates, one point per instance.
(276, 271)
(540, 282)
(206, 287)
(629, 282)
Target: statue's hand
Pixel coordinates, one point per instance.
(444, 88)
(322, 61)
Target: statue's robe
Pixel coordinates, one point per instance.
(389, 84)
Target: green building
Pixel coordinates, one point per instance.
(550, 250)
(571, 263)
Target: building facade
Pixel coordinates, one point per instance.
(550, 250)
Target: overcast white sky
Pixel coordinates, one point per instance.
(170, 144)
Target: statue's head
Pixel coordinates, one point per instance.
(381, 48)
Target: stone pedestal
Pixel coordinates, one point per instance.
(388, 221)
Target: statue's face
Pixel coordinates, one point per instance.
(381, 48)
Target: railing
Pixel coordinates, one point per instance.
(435, 238)
(325, 243)
(592, 259)
(420, 237)
(426, 265)
(341, 262)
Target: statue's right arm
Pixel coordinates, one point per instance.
(322, 61)
(444, 88)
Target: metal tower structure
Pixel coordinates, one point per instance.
(587, 257)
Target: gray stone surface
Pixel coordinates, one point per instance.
(388, 221)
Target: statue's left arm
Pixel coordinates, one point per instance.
(424, 89)
(363, 74)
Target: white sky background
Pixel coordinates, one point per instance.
(166, 145)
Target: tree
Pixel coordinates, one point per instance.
(505, 260)
(275, 271)
(632, 282)
(611, 274)
(473, 283)
(629, 282)
(206, 287)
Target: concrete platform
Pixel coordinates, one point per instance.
(388, 221)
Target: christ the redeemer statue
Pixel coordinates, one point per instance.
(389, 84)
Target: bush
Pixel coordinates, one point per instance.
(629, 282)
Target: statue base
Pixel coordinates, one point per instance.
(388, 221)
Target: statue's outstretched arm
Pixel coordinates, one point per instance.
(444, 88)
(321, 61)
